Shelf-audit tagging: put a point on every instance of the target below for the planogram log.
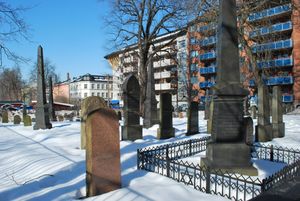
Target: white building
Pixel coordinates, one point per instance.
(92, 85)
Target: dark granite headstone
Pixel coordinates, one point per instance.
(88, 105)
(193, 119)
(165, 129)
(227, 126)
(4, 116)
(103, 168)
(51, 102)
(263, 129)
(42, 112)
(27, 120)
(277, 113)
(17, 119)
(150, 104)
(132, 129)
(24, 111)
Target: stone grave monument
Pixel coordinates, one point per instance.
(103, 167)
(165, 129)
(207, 103)
(88, 105)
(277, 113)
(4, 116)
(253, 112)
(228, 137)
(193, 119)
(51, 102)
(131, 130)
(263, 129)
(17, 119)
(42, 112)
(150, 105)
(27, 120)
(210, 119)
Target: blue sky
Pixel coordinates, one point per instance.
(72, 33)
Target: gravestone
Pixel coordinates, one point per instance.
(132, 129)
(27, 120)
(207, 103)
(17, 119)
(248, 128)
(24, 111)
(42, 112)
(263, 129)
(165, 129)
(277, 113)
(193, 119)
(228, 137)
(103, 168)
(150, 104)
(253, 112)
(210, 119)
(4, 116)
(60, 118)
(51, 102)
(88, 105)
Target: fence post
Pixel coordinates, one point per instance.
(138, 159)
(207, 178)
(272, 153)
(190, 147)
(168, 161)
(263, 185)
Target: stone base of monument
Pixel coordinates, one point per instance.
(165, 133)
(44, 126)
(192, 132)
(263, 133)
(230, 157)
(132, 132)
(278, 130)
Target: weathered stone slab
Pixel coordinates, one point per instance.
(248, 129)
(27, 120)
(132, 129)
(17, 119)
(88, 105)
(193, 119)
(102, 151)
(277, 113)
(165, 129)
(4, 116)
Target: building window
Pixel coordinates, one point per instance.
(85, 95)
(106, 95)
(102, 86)
(93, 86)
(102, 95)
(111, 95)
(85, 86)
(93, 94)
(98, 94)
(98, 86)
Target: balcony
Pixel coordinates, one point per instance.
(163, 86)
(208, 27)
(162, 63)
(283, 80)
(164, 74)
(283, 44)
(273, 29)
(282, 62)
(287, 98)
(207, 56)
(208, 70)
(206, 84)
(194, 80)
(208, 41)
(270, 12)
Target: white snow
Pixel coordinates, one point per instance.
(49, 165)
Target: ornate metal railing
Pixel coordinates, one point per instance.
(166, 160)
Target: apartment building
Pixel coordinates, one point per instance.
(92, 85)
(165, 65)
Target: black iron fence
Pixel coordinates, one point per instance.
(166, 160)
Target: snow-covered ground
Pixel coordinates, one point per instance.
(49, 165)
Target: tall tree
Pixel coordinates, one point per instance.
(11, 84)
(141, 22)
(12, 28)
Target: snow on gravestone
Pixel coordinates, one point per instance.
(88, 105)
(103, 168)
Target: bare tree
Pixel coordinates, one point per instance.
(12, 28)
(141, 22)
(11, 84)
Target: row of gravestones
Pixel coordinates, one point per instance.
(17, 119)
(100, 134)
